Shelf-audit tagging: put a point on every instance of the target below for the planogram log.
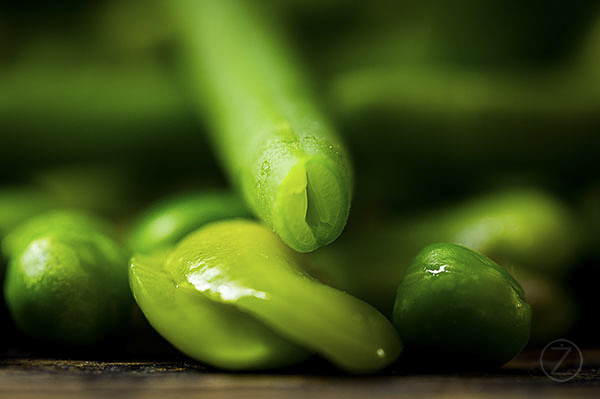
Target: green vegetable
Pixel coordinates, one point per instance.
(272, 138)
(168, 221)
(521, 228)
(527, 227)
(66, 280)
(233, 295)
(454, 305)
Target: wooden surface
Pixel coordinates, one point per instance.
(33, 377)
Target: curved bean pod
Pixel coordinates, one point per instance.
(239, 273)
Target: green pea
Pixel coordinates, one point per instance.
(66, 280)
(168, 221)
(233, 295)
(525, 228)
(455, 306)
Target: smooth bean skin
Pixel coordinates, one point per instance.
(456, 307)
(239, 273)
(66, 281)
(169, 220)
(214, 333)
(272, 137)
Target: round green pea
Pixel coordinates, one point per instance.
(66, 280)
(457, 308)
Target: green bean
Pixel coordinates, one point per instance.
(270, 134)
(233, 295)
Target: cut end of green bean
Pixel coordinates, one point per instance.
(312, 205)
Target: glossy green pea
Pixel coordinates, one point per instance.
(232, 294)
(169, 220)
(520, 228)
(454, 305)
(66, 280)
